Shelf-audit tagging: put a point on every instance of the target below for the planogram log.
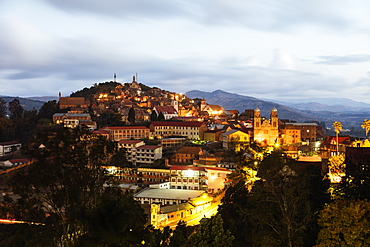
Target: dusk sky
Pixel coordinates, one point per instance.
(272, 49)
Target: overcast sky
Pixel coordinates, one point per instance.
(274, 49)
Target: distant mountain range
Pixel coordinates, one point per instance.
(326, 104)
(350, 113)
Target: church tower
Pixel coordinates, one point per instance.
(274, 119)
(203, 104)
(257, 118)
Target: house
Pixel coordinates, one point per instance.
(167, 111)
(127, 132)
(14, 162)
(73, 119)
(235, 139)
(186, 155)
(9, 147)
(212, 135)
(190, 130)
(328, 147)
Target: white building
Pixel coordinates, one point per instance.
(9, 147)
(210, 179)
(139, 153)
(166, 196)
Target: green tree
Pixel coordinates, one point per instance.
(284, 202)
(131, 115)
(48, 110)
(161, 116)
(234, 212)
(211, 233)
(345, 223)
(15, 109)
(65, 182)
(180, 234)
(153, 116)
(366, 126)
(337, 128)
(3, 108)
(117, 220)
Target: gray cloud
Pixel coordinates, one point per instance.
(342, 60)
(264, 14)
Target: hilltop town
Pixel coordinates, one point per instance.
(183, 162)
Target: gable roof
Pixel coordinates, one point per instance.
(73, 101)
(341, 140)
(165, 109)
(189, 150)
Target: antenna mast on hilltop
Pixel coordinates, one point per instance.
(115, 77)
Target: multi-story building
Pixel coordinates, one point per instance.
(141, 176)
(307, 130)
(172, 142)
(147, 154)
(190, 130)
(127, 132)
(291, 136)
(140, 154)
(210, 179)
(60, 118)
(130, 148)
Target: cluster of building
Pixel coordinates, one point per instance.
(176, 176)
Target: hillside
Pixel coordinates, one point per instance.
(27, 104)
(230, 101)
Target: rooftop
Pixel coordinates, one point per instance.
(169, 193)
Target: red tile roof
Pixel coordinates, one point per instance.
(124, 127)
(148, 147)
(166, 109)
(100, 132)
(183, 124)
(129, 141)
(9, 143)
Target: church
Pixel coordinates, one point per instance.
(266, 131)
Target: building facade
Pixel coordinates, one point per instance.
(266, 131)
(190, 130)
(127, 132)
